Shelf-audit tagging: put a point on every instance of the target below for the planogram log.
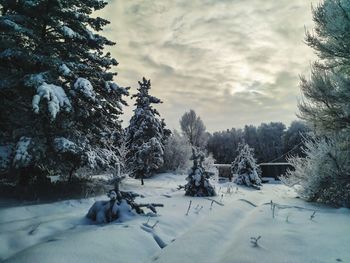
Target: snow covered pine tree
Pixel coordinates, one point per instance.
(324, 175)
(59, 105)
(245, 168)
(198, 180)
(146, 135)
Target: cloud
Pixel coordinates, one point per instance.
(235, 62)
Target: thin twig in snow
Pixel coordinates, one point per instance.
(189, 207)
(313, 215)
(211, 205)
(254, 241)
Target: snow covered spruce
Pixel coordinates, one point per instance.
(120, 207)
(146, 135)
(58, 98)
(198, 179)
(245, 169)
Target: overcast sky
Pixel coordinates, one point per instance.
(234, 62)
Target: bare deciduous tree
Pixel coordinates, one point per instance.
(194, 129)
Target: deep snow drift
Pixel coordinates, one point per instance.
(59, 232)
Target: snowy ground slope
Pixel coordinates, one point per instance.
(58, 232)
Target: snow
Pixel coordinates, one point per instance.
(64, 70)
(101, 157)
(35, 80)
(85, 87)
(22, 157)
(55, 96)
(14, 26)
(5, 156)
(59, 232)
(112, 86)
(68, 32)
(62, 144)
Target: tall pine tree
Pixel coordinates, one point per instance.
(327, 93)
(324, 175)
(146, 134)
(59, 105)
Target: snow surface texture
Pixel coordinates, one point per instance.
(210, 233)
(55, 96)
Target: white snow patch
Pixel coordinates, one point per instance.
(65, 71)
(85, 87)
(55, 96)
(62, 144)
(22, 157)
(35, 80)
(68, 32)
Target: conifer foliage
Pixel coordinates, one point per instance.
(59, 105)
(198, 180)
(245, 168)
(146, 134)
(324, 175)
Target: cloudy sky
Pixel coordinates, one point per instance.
(234, 62)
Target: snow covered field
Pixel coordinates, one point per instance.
(59, 232)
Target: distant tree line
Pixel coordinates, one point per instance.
(271, 141)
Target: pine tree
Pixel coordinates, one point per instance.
(198, 179)
(327, 93)
(59, 105)
(146, 134)
(245, 168)
(324, 174)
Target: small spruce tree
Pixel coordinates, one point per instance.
(198, 179)
(146, 135)
(245, 168)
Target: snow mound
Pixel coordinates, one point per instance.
(209, 233)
